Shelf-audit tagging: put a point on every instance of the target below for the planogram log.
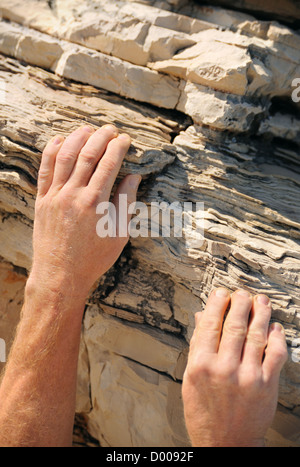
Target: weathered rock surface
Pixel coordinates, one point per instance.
(12, 283)
(288, 10)
(221, 129)
(146, 50)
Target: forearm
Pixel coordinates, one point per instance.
(37, 395)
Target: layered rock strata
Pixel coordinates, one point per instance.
(206, 95)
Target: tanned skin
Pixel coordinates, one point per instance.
(230, 387)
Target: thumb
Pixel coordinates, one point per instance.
(125, 195)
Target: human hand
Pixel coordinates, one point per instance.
(76, 174)
(230, 387)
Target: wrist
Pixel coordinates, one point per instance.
(214, 440)
(55, 292)
(50, 324)
(56, 284)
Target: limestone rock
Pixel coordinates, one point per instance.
(12, 283)
(147, 405)
(23, 138)
(217, 109)
(288, 10)
(150, 347)
(223, 68)
(146, 49)
(205, 93)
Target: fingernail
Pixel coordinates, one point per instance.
(263, 300)
(243, 293)
(125, 137)
(277, 327)
(222, 293)
(57, 140)
(111, 128)
(87, 128)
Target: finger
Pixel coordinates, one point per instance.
(109, 166)
(91, 153)
(198, 317)
(125, 195)
(235, 327)
(68, 154)
(47, 164)
(257, 335)
(276, 353)
(194, 339)
(209, 328)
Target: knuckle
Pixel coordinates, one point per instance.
(66, 158)
(235, 330)
(226, 373)
(65, 198)
(89, 156)
(44, 174)
(257, 338)
(91, 199)
(45, 204)
(209, 325)
(198, 369)
(107, 167)
(251, 381)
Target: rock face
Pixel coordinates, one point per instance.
(221, 128)
(288, 10)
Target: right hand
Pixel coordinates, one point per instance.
(230, 387)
